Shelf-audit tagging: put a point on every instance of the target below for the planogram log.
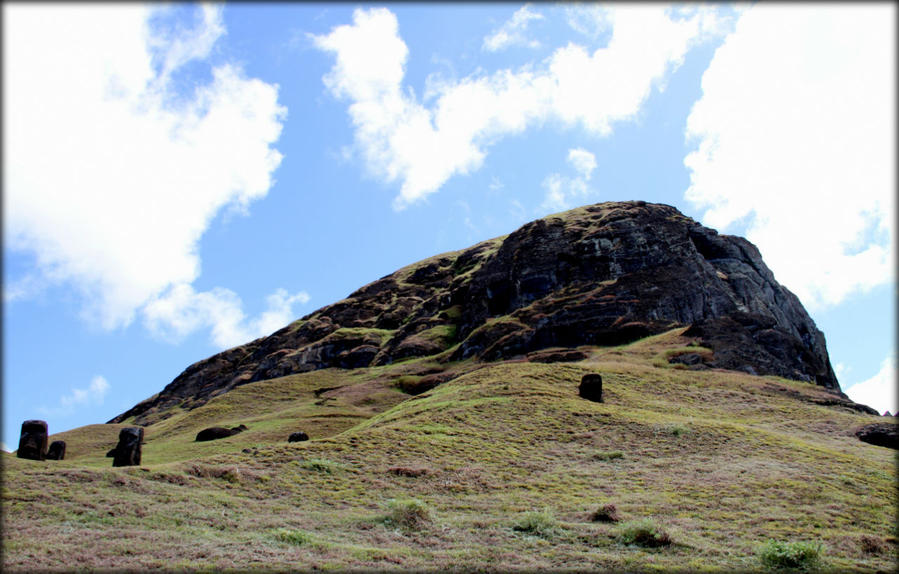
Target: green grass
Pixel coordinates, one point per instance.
(378, 335)
(497, 442)
(321, 465)
(610, 455)
(444, 335)
(294, 537)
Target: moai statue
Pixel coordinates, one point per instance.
(127, 452)
(591, 387)
(33, 440)
(57, 450)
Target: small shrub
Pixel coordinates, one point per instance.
(408, 513)
(871, 544)
(611, 455)
(605, 513)
(797, 555)
(320, 465)
(295, 537)
(643, 532)
(677, 430)
(541, 524)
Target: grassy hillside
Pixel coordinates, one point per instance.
(502, 467)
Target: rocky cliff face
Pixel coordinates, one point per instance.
(605, 274)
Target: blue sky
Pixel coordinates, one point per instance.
(181, 179)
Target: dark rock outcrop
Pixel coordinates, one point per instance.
(297, 437)
(215, 433)
(57, 450)
(604, 274)
(128, 450)
(557, 356)
(880, 434)
(591, 387)
(33, 440)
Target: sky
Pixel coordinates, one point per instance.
(179, 179)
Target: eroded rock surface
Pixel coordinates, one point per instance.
(605, 274)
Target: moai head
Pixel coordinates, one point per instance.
(57, 450)
(297, 437)
(591, 387)
(127, 452)
(33, 440)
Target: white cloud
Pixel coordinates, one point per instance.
(582, 161)
(22, 288)
(878, 392)
(279, 311)
(842, 370)
(512, 32)
(181, 310)
(795, 136)
(110, 175)
(93, 395)
(563, 192)
(587, 19)
(421, 146)
(178, 47)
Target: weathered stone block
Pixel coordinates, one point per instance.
(298, 437)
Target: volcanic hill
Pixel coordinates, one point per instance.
(445, 428)
(605, 274)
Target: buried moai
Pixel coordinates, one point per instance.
(127, 451)
(33, 440)
(298, 436)
(215, 433)
(57, 450)
(591, 387)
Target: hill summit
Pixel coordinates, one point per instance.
(604, 274)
